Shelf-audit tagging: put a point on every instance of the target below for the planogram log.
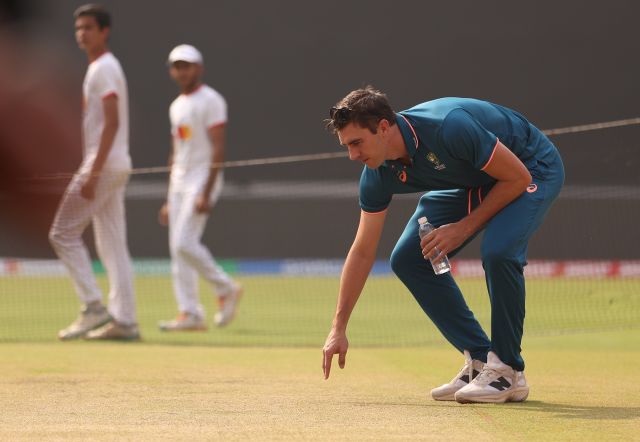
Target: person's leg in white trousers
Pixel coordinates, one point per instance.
(106, 209)
(189, 256)
(110, 231)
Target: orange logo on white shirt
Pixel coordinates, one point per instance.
(184, 133)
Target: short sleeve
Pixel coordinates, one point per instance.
(375, 196)
(216, 112)
(171, 119)
(466, 139)
(104, 82)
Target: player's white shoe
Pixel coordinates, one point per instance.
(114, 331)
(497, 383)
(227, 306)
(471, 369)
(90, 317)
(184, 322)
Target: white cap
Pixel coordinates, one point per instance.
(422, 220)
(186, 53)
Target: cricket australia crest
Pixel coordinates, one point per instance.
(433, 159)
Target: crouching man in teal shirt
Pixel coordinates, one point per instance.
(484, 167)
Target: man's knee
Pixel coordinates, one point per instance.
(183, 249)
(499, 256)
(57, 237)
(53, 237)
(403, 258)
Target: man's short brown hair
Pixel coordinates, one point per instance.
(365, 107)
(102, 16)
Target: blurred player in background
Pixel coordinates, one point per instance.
(486, 168)
(198, 126)
(96, 192)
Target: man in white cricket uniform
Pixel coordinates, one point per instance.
(198, 120)
(96, 192)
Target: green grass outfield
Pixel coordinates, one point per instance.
(261, 379)
(583, 387)
(297, 311)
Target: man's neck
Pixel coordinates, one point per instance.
(397, 147)
(191, 88)
(94, 54)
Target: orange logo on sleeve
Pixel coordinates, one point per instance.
(184, 133)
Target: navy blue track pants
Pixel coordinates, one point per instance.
(504, 251)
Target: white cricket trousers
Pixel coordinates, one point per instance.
(106, 211)
(189, 257)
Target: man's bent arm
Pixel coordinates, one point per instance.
(512, 178)
(172, 154)
(111, 123)
(217, 135)
(163, 215)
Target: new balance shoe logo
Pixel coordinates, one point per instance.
(465, 378)
(500, 384)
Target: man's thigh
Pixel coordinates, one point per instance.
(509, 231)
(186, 225)
(75, 212)
(440, 207)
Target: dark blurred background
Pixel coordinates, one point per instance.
(282, 64)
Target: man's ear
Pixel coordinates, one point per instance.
(384, 125)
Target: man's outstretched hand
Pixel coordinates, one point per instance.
(336, 343)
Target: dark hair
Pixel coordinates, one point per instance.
(366, 107)
(103, 18)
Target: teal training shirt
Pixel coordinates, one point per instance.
(450, 140)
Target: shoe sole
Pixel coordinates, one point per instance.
(450, 397)
(444, 397)
(189, 329)
(113, 338)
(83, 334)
(516, 395)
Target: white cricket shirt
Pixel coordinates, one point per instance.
(191, 117)
(104, 78)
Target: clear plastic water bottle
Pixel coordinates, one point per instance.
(441, 266)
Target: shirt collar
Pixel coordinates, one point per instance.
(408, 134)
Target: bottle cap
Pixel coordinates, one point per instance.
(423, 220)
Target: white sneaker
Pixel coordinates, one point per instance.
(228, 305)
(184, 322)
(114, 331)
(446, 392)
(497, 383)
(89, 318)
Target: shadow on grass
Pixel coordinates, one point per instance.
(581, 411)
(566, 411)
